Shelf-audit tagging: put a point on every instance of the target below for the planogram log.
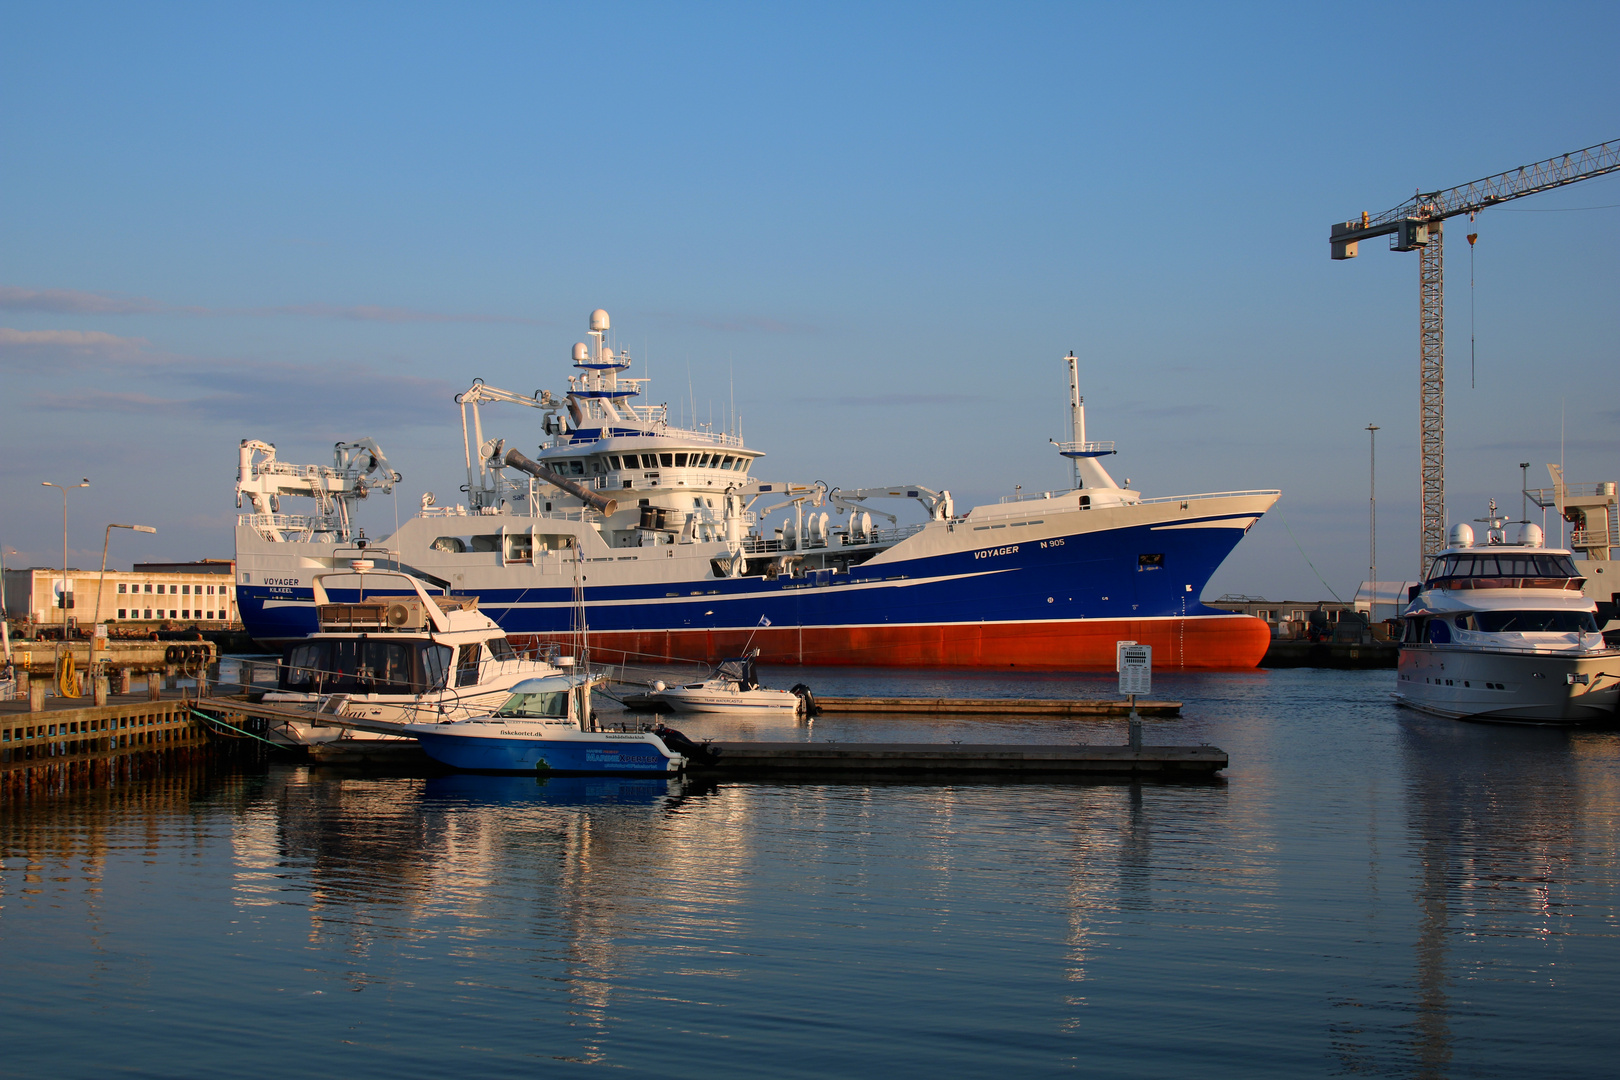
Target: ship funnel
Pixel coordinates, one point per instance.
(584, 494)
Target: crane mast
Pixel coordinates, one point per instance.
(1416, 225)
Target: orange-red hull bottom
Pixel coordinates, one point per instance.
(1200, 643)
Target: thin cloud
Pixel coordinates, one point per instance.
(78, 302)
(74, 302)
(891, 400)
(741, 324)
(375, 313)
(260, 395)
(72, 346)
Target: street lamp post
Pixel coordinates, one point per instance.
(106, 540)
(64, 489)
(1524, 491)
(1372, 523)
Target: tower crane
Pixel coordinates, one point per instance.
(1415, 225)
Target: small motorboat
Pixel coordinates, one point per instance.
(545, 725)
(732, 687)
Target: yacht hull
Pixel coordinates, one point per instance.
(1511, 686)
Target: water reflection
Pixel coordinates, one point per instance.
(1502, 822)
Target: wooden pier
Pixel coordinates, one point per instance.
(69, 730)
(996, 706)
(945, 761)
(955, 706)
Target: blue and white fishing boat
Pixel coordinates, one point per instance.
(677, 548)
(545, 725)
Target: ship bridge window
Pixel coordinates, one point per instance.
(727, 463)
(576, 467)
(668, 460)
(500, 649)
(680, 461)
(452, 544)
(613, 462)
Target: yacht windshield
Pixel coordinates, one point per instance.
(1533, 622)
(547, 703)
(1505, 564)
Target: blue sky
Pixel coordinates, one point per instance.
(884, 225)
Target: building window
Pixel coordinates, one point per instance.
(122, 588)
(186, 589)
(148, 613)
(173, 589)
(121, 614)
(173, 613)
(148, 586)
(210, 590)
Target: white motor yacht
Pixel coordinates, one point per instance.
(1502, 631)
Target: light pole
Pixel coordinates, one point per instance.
(64, 489)
(106, 540)
(1372, 522)
(1524, 491)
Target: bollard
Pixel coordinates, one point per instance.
(153, 693)
(123, 680)
(36, 697)
(22, 683)
(101, 690)
(171, 681)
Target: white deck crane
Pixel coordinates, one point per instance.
(1415, 225)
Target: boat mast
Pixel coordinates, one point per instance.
(1077, 416)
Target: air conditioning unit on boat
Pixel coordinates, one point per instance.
(406, 615)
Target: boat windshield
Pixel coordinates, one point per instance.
(546, 703)
(1529, 622)
(1504, 564)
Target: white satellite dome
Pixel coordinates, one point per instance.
(1462, 536)
(599, 319)
(581, 353)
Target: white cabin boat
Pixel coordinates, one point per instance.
(400, 659)
(1503, 631)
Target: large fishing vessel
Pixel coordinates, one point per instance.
(673, 546)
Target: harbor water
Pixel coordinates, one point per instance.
(1367, 891)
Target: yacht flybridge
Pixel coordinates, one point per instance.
(675, 546)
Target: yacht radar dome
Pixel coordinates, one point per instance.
(581, 353)
(1462, 536)
(1529, 535)
(599, 320)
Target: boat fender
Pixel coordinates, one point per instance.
(807, 700)
(658, 686)
(171, 655)
(702, 753)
